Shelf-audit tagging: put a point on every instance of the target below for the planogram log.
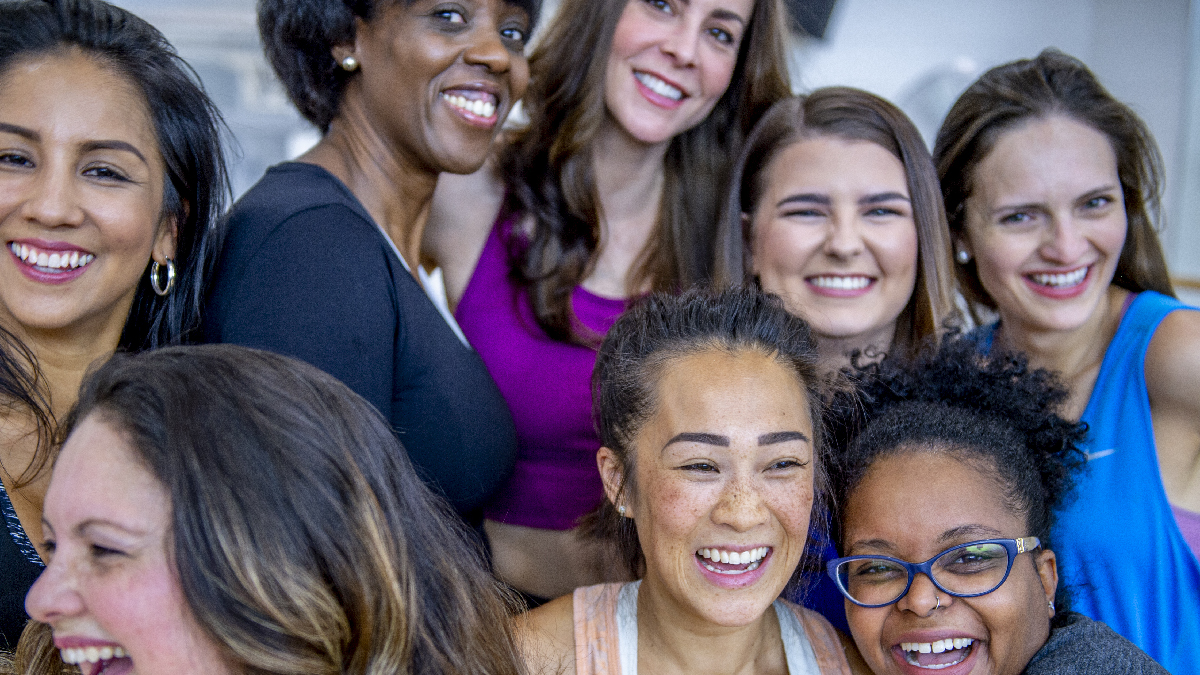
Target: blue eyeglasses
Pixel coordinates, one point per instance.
(965, 571)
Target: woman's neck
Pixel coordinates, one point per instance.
(64, 357)
(834, 352)
(395, 190)
(1076, 354)
(629, 186)
(670, 640)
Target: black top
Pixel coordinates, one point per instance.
(19, 568)
(1086, 647)
(305, 272)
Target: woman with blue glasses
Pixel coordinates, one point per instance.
(947, 491)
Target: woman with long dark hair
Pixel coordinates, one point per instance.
(609, 191)
(111, 175)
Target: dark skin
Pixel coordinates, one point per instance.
(396, 128)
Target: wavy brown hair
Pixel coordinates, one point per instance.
(548, 166)
(850, 114)
(303, 539)
(1053, 83)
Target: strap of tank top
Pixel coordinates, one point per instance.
(797, 650)
(627, 632)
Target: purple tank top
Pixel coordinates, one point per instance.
(547, 385)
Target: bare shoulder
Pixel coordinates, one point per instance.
(546, 637)
(1173, 362)
(461, 215)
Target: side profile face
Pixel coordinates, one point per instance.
(913, 506)
(81, 192)
(833, 234)
(1046, 224)
(723, 468)
(670, 62)
(437, 79)
(110, 590)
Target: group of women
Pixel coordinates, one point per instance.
(487, 380)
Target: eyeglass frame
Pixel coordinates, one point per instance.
(1014, 547)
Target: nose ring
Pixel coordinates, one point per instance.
(939, 599)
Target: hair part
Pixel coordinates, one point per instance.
(549, 166)
(1053, 83)
(852, 115)
(660, 330)
(308, 543)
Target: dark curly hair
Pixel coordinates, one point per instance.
(993, 411)
(298, 36)
(662, 328)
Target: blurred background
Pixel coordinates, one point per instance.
(920, 54)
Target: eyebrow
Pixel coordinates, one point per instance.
(90, 146)
(86, 525)
(781, 437)
(883, 197)
(805, 198)
(970, 530)
(726, 15)
(706, 439)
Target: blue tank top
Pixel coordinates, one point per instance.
(1118, 544)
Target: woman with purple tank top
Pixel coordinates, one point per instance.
(609, 192)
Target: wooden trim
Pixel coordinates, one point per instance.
(1185, 282)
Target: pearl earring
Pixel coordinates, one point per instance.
(349, 64)
(962, 256)
(621, 510)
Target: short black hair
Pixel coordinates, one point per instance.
(187, 126)
(298, 36)
(991, 411)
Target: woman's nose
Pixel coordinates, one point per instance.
(487, 49)
(53, 595)
(741, 506)
(923, 598)
(681, 42)
(52, 200)
(1066, 240)
(843, 239)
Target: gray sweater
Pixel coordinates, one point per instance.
(1086, 647)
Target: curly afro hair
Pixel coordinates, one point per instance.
(993, 411)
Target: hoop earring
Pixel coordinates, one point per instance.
(349, 64)
(154, 269)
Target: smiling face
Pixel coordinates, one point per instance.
(670, 62)
(81, 185)
(436, 79)
(1046, 224)
(723, 467)
(110, 590)
(913, 506)
(833, 234)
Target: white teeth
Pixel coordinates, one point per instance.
(659, 87)
(477, 107)
(853, 283)
(32, 256)
(77, 655)
(734, 557)
(1061, 280)
(937, 646)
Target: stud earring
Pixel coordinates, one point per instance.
(349, 64)
(962, 256)
(1051, 602)
(621, 510)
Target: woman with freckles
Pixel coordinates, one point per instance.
(111, 177)
(834, 205)
(610, 191)
(218, 510)
(321, 262)
(711, 460)
(1053, 189)
(947, 491)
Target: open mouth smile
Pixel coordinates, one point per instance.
(46, 265)
(938, 654)
(474, 105)
(97, 660)
(721, 561)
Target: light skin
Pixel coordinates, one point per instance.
(1047, 201)
(110, 580)
(398, 125)
(693, 44)
(915, 505)
(833, 234)
(80, 174)
(726, 461)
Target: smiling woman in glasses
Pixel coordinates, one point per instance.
(946, 492)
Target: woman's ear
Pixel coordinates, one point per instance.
(1047, 569)
(612, 474)
(166, 241)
